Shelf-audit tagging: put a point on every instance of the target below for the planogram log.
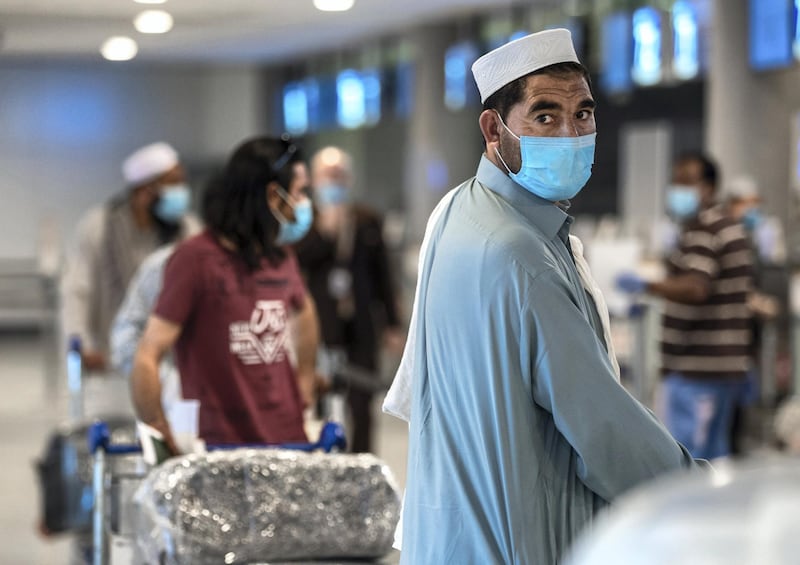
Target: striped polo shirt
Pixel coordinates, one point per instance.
(711, 340)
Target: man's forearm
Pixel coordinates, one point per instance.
(686, 289)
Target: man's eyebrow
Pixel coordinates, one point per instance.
(544, 105)
(550, 105)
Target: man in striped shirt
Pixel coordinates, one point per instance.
(706, 336)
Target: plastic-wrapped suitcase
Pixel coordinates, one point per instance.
(258, 504)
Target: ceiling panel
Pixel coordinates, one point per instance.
(244, 31)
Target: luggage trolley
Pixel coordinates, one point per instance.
(64, 470)
(108, 514)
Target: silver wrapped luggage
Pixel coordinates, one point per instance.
(260, 505)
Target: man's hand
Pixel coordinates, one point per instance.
(394, 340)
(94, 361)
(631, 283)
(764, 306)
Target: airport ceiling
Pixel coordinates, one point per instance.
(211, 31)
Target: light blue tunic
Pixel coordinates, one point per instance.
(519, 431)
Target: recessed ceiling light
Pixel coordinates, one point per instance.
(333, 5)
(153, 21)
(150, 1)
(119, 48)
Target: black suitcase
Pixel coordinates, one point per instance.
(65, 475)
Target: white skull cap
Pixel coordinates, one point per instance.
(522, 56)
(742, 187)
(149, 162)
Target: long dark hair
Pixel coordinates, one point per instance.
(235, 205)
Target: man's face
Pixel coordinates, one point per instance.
(690, 173)
(146, 195)
(740, 206)
(552, 106)
(687, 173)
(330, 174)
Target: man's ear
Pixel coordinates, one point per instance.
(490, 125)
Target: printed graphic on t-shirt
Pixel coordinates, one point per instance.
(262, 339)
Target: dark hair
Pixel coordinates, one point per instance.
(512, 93)
(708, 168)
(235, 204)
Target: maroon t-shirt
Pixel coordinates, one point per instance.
(232, 351)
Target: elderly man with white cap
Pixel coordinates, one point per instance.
(520, 431)
(113, 239)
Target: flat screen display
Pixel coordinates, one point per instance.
(796, 34)
(617, 53)
(772, 33)
(685, 40)
(459, 86)
(295, 108)
(647, 58)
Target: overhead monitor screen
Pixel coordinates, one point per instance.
(617, 53)
(295, 108)
(358, 95)
(772, 33)
(646, 68)
(796, 35)
(371, 78)
(685, 40)
(459, 87)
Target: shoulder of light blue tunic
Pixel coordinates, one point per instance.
(518, 227)
(543, 214)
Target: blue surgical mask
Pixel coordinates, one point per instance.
(751, 219)
(173, 202)
(292, 232)
(553, 168)
(683, 202)
(331, 195)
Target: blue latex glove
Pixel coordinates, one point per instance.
(631, 283)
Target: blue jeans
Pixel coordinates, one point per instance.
(699, 413)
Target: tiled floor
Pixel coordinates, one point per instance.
(32, 401)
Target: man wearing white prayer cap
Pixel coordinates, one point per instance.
(112, 239)
(745, 204)
(519, 430)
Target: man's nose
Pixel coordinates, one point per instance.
(569, 128)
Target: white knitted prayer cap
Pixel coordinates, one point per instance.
(149, 162)
(742, 187)
(522, 56)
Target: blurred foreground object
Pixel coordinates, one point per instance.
(787, 425)
(740, 513)
(248, 505)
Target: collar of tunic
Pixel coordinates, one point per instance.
(545, 215)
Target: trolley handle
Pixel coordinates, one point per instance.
(331, 436)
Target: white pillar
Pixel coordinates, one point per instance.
(731, 90)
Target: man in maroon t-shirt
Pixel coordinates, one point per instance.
(229, 299)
